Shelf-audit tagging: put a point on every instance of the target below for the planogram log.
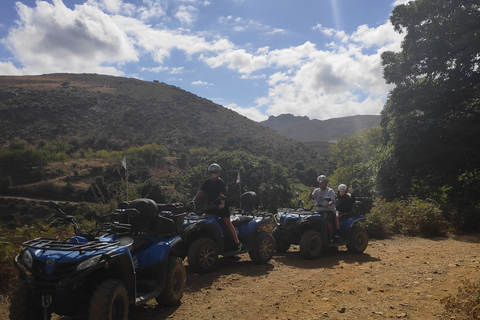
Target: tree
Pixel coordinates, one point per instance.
(356, 159)
(259, 174)
(430, 120)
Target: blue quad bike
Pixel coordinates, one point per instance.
(131, 256)
(205, 236)
(309, 230)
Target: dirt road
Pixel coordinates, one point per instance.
(400, 278)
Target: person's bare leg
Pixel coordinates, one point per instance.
(337, 221)
(329, 227)
(231, 228)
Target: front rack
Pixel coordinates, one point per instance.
(57, 244)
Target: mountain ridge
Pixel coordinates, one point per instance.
(91, 111)
(304, 129)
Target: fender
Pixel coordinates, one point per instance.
(203, 229)
(349, 223)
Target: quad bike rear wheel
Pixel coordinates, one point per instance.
(311, 244)
(175, 283)
(109, 301)
(358, 240)
(203, 255)
(263, 248)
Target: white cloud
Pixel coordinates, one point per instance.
(332, 33)
(54, 38)
(238, 60)
(178, 70)
(201, 83)
(155, 70)
(113, 6)
(224, 20)
(251, 113)
(160, 42)
(186, 14)
(9, 68)
(383, 36)
(292, 56)
(342, 81)
(398, 2)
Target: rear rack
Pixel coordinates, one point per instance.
(56, 244)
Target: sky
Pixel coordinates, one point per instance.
(315, 58)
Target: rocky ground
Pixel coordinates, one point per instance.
(399, 278)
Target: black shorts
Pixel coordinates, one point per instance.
(328, 215)
(222, 213)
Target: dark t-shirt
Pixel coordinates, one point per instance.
(345, 203)
(212, 189)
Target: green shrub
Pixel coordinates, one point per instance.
(379, 222)
(425, 218)
(411, 217)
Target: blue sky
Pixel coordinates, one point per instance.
(315, 58)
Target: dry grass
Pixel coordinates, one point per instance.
(466, 304)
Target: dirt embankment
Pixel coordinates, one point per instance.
(400, 278)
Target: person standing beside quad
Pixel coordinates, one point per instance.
(214, 187)
(325, 202)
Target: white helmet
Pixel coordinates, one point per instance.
(214, 167)
(342, 187)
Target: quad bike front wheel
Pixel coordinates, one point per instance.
(23, 305)
(109, 301)
(203, 255)
(175, 283)
(358, 240)
(263, 248)
(311, 244)
(280, 246)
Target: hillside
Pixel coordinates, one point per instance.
(114, 113)
(305, 130)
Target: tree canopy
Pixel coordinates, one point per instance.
(430, 120)
(356, 159)
(268, 180)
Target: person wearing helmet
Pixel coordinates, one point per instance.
(214, 187)
(325, 202)
(344, 204)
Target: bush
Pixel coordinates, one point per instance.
(379, 222)
(425, 218)
(412, 217)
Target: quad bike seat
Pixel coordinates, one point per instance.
(148, 220)
(238, 221)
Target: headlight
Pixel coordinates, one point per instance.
(27, 258)
(89, 263)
